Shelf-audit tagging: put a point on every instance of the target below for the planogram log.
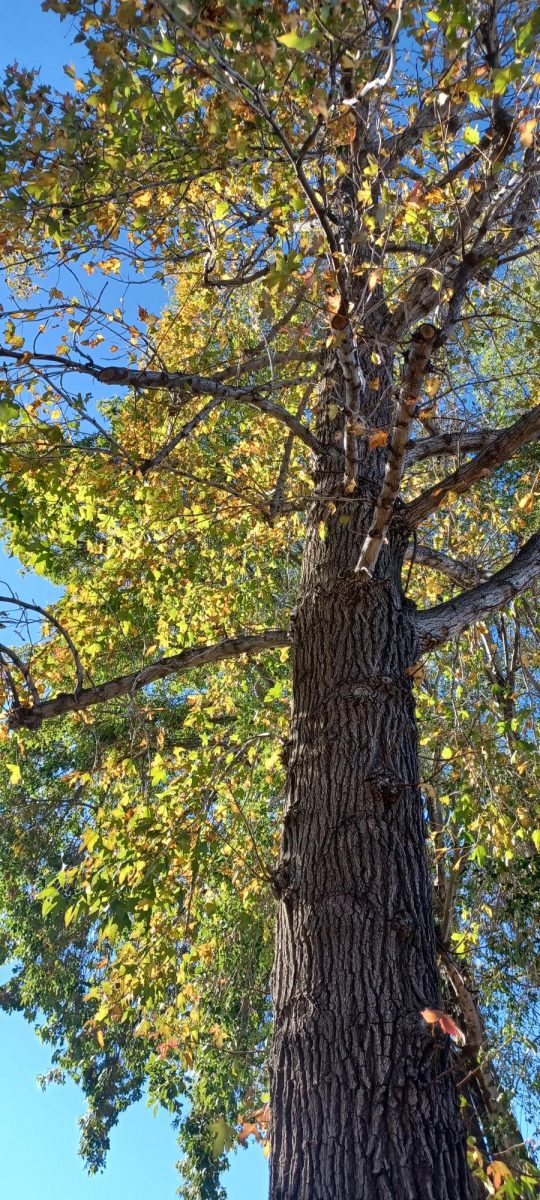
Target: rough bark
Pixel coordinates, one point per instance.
(364, 1103)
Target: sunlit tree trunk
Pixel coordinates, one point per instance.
(363, 1098)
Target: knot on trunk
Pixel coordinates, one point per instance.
(388, 789)
(403, 925)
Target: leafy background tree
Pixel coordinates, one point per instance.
(306, 186)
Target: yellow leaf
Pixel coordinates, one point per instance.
(143, 199)
(526, 132)
(447, 753)
(14, 772)
(109, 266)
(222, 1136)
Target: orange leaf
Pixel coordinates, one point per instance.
(247, 1128)
(435, 1016)
(379, 437)
(498, 1171)
(416, 195)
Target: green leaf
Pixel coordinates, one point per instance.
(471, 135)
(535, 837)
(479, 855)
(222, 1136)
(165, 47)
(295, 41)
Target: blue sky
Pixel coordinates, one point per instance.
(39, 1129)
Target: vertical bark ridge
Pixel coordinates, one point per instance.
(364, 1101)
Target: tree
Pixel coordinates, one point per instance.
(336, 198)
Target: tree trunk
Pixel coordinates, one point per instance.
(363, 1098)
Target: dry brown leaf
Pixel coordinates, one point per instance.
(379, 437)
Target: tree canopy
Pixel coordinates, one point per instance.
(233, 205)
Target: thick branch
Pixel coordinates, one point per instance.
(436, 625)
(175, 381)
(354, 382)
(499, 450)
(419, 355)
(448, 443)
(462, 573)
(125, 685)
(475, 220)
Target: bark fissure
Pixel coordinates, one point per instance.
(364, 1102)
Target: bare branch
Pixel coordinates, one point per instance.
(381, 81)
(24, 670)
(246, 362)
(52, 620)
(125, 685)
(236, 281)
(276, 503)
(436, 625)
(478, 257)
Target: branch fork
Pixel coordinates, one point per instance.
(422, 346)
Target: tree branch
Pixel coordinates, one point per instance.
(174, 381)
(32, 716)
(448, 443)
(436, 625)
(499, 450)
(462, 573)
(420, 352)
